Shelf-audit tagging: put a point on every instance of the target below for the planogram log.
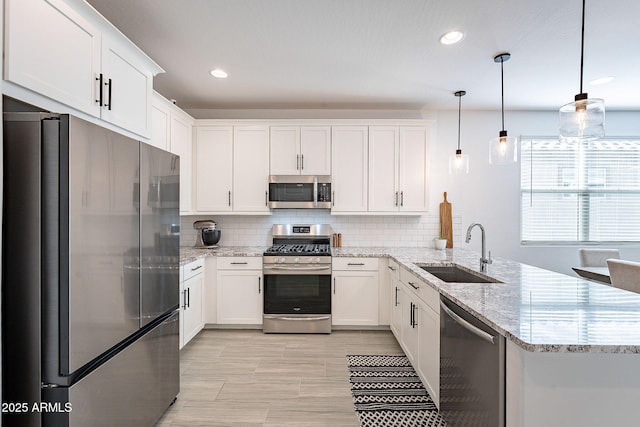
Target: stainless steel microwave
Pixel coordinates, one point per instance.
(300, 192)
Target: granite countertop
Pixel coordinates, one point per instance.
(189, 253)
(537, 309)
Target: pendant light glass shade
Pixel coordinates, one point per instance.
(582, 119)
(458, 162)
(503, 149)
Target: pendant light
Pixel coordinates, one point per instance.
(459, 163)
(584, 118)
(503, 149)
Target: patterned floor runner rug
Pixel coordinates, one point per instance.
(387, 392)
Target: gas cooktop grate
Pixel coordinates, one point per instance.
(316, 249)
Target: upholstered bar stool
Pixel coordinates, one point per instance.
(597, 257)
(625, 274)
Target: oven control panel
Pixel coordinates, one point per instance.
(301, 229)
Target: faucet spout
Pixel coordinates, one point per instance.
(483, 257)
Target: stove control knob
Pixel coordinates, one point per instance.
(283, 260)
(296, 260)
(318, 260)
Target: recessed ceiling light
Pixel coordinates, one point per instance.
(221, 74)
(451, 37)
(602, 80)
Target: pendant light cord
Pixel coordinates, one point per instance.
(502, 84)
(459, 108)
(582, 46)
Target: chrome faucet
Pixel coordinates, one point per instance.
(483, 258)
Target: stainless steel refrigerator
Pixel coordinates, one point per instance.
(90, 280)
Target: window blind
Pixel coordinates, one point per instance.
(587, 191)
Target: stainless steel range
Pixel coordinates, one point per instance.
(297, 280)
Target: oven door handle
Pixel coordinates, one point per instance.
(266, 316)
(328, 267)
(468, 326)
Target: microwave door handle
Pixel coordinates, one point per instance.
(315, 191)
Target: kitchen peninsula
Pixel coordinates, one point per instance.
(573, 346)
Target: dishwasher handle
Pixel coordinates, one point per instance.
(468, 326)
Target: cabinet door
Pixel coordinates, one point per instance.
(396, 309)
(214, 168)
(315, 150)
(181, 143)
(355, 298)
(53, 51)
(192, 319)
(429, 349)
(127, 90)
(349, 168)
(284, 150)
(239, 297)
(250, 168)
(413, 169)
(409, 326)
(160, 119)
(383, 168)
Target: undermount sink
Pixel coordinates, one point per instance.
(454, 274)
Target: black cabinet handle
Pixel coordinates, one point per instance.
(301, 161)
(266, 198)
(355, 263)
(396, 303)
(99, 100)
(189, 297)
(229, 198)
(396, 203)
(415, 321)
(110, 84)
(259, 288)
(402, 198)
(334, 285)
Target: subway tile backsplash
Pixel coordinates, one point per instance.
(357, 231)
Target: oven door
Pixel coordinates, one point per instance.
(295, 292)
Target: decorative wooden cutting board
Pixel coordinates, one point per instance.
(446, 227)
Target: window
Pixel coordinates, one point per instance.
(575, 192)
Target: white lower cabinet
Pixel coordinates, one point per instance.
(239, 290)
(354, 300)
(396, 308)
(428, 365)
(191, 301)
(415, 322)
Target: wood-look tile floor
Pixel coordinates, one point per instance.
(247, 378)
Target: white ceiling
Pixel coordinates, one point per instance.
(383, 54)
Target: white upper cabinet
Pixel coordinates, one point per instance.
(232, 169)
(398, 172)
(300, 150)
(160, 128)
(250, 169)
(284, 150)
(413, 169)
(51, 49)
(73, 56)
(180, 143)
(127, 86)
(172, 130)
(349, 168)
(383, 167)
(213, 178)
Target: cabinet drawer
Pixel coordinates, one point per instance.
(354, 264)
(239, 263)
(192, 269)
(417, 286)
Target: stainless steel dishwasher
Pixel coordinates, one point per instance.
(472, 370)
